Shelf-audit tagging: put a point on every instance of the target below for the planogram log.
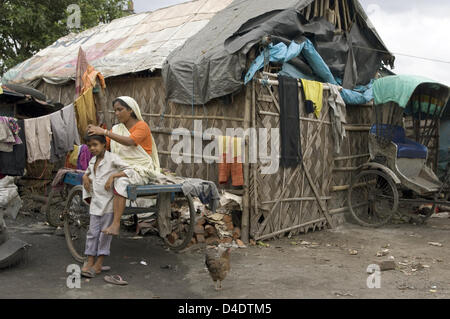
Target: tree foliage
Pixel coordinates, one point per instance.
(27, 26)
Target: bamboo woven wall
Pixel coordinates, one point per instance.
(286, 199)
(330, 173)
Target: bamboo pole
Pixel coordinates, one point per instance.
(300, 118)
(275, 82)
(245, 229)
(299, 199)
(338, 14)
(195, 117)
(254, 165)
(344, 13)
(308, 12)
(345, 169)
(343, 158)
(289, 229)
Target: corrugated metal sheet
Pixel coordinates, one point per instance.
(130, 44)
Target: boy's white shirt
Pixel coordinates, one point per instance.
(101, 199)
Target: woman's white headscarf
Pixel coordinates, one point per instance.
(135, 107)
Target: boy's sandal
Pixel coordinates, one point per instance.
(89, 273)
(115, 280)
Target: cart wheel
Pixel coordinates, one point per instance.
(182, 225)
(76, 223)
(372, 198)
(53, 211)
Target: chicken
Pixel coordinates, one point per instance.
(218, 267)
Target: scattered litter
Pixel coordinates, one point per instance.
(417, 266)
(353, 252)
(133, 263)
(386, 246)
(305, 243)
(383, 253)
(144, 263)
(136, 237)
(263, 244)
(215, 217)
(168, 267)
(87, 280)
(241, 244)
(403, 264)
(387, 265)
(343, 294)
(405, 287)
(433, 291)
(435, 244)
(440, 215)
(294, 243)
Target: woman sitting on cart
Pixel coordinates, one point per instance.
(132, 140)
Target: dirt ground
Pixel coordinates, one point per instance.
(315, 265)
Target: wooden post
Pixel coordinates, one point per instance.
(164, 214)
(245, 231)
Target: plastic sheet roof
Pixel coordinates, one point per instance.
(130, 44)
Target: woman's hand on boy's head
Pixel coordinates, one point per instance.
(95, 130)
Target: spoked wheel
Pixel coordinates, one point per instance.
(372, 198)
(55, 206)
(182, 223)
(76, 223)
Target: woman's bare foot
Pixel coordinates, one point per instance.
(112, 230)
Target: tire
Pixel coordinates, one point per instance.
(372, 198)
(53, 213)
(76, 223)
(183, 241)
(14, 259)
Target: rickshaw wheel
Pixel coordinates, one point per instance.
(373, 198)
(76, 223)
(184, 232)
(53, 211)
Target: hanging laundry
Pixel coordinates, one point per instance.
(15, 129)
(84, 157)
(90, 79)
(291, 149)
(206, 191)
(72, 159)
(231, 152)
(338, 116)
(81, 68)
(69, 117)
(7, 139)
(39, 137)
(60, 138)
(314, 93)
(85, 110)
(13, 163)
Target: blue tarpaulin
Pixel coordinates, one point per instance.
(281, 53)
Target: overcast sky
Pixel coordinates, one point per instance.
(411, 27)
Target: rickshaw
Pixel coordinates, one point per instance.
(397, 178)
(174, 226)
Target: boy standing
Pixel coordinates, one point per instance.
(98, 183)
